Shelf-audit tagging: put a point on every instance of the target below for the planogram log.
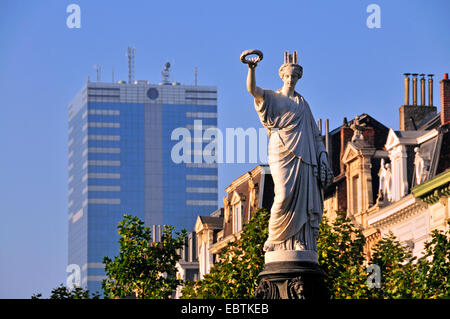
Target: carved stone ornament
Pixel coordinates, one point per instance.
(226, 208)
(253, 192)
(300, 286)
(296, 288)
(267, 290)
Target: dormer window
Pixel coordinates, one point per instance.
(237, 211)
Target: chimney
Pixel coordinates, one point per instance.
(430, 89)
(328, 141)
(159, 232)
(346, 136)
(422, 90)
(414, 88)
(407, 88)
(412, 116)
(445, 100)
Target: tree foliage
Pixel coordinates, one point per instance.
(341, 256)
(147, 270)
(235, 276)
(433, 269)
(404, 276)
(62, 292)
(143, 268)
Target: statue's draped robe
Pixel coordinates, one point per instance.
(294, 149)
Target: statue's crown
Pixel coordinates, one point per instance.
(290, 58)
(290, 65)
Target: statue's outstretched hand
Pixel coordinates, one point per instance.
(253, 62)
(326, 174)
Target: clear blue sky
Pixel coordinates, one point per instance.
(349, 69)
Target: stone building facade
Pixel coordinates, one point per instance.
(245, 195)
(394, 181)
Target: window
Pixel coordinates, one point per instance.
(355, 194)
(237, 217)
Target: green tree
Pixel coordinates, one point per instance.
(143, 268)
(341, 256)
(236, 274)
(62, 292)
(433, 269)
(404, 276)
(397, 269)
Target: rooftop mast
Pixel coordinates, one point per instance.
(131, 54)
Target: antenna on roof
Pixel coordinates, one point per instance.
(112, 75)
(166, 73)
(131, 54)
(196, 74)
(98, 69)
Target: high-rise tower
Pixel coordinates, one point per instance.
(120, 162)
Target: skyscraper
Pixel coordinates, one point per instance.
(120, 162)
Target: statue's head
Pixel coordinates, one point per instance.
(290, 72)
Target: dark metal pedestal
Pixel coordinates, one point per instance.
(292, 280)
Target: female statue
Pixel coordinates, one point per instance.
(297, 158)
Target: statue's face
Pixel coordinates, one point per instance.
(290, 79)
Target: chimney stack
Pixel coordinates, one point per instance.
(407, 88)
(412, 115)
(430, 89)
(414, 88)
(445, 100)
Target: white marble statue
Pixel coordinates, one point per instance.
(420, 166)
(385, 188)
(297, 158)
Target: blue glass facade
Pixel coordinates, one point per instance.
(120, 163)
(177, 213)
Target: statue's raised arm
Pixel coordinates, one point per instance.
(252, 62)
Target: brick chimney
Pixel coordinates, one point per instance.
(369, 136)
(412, 115)
(445, 100)
(346, 136)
